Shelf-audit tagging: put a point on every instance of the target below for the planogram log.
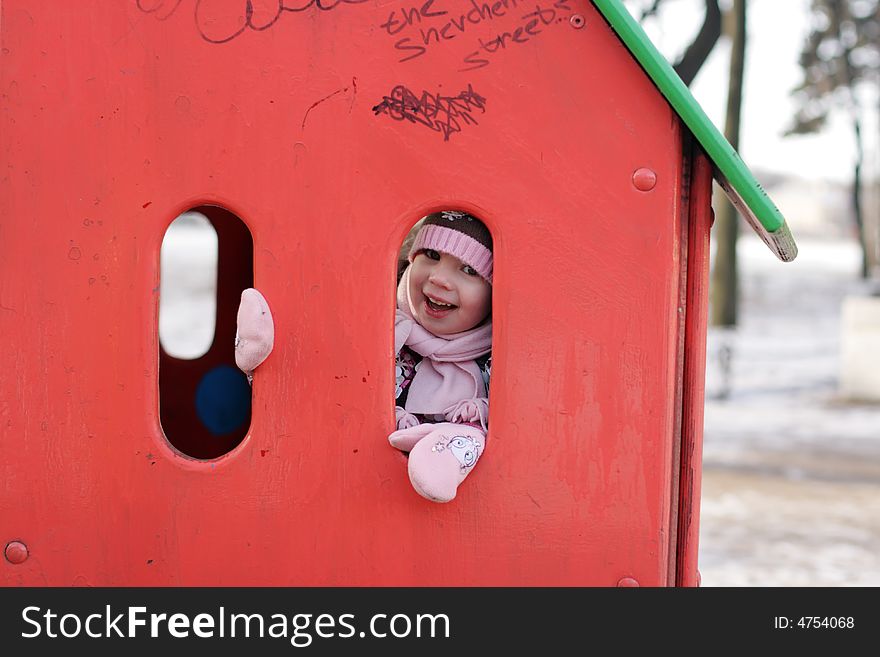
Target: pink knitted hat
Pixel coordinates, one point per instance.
(458, 234)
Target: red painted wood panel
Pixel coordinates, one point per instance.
(116, 119)
(699, 222)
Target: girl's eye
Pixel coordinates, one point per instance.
(432, 254)
(470, 271)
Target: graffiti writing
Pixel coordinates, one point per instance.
(217, 23)
(443, 114)
(531, 26)
(444, 26)
(419, 27)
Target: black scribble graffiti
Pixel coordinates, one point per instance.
(257, 19)
(443, 114)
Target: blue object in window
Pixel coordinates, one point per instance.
(223, 400)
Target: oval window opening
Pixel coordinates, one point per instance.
(206, 262)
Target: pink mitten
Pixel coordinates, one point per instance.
(256, 332)
(441, 460)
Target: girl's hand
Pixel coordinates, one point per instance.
(469, 411)
(405, 419)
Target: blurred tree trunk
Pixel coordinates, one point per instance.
(849, 77)
(724, 286)
(857, 195)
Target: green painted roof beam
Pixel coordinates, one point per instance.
(730, 171)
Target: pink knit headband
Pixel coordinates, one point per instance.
(454, 242)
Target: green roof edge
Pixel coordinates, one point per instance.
(731, 172)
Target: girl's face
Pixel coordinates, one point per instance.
(447, 295)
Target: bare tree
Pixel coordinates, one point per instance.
(725, 287)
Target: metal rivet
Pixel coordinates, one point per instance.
(16, 552)
(577, 21)
(644, 179)
(628, 582)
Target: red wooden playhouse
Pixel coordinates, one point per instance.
(313, 134)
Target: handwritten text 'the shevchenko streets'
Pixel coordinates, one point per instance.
(486, 26)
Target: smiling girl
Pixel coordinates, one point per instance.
(443, 342)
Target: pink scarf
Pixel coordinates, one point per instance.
(448, 381)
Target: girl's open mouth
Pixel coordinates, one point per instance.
(435, 309)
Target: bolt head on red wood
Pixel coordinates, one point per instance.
(628, 582)
(16, 552)
(644, 179)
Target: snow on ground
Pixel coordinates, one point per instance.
(791, 471)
